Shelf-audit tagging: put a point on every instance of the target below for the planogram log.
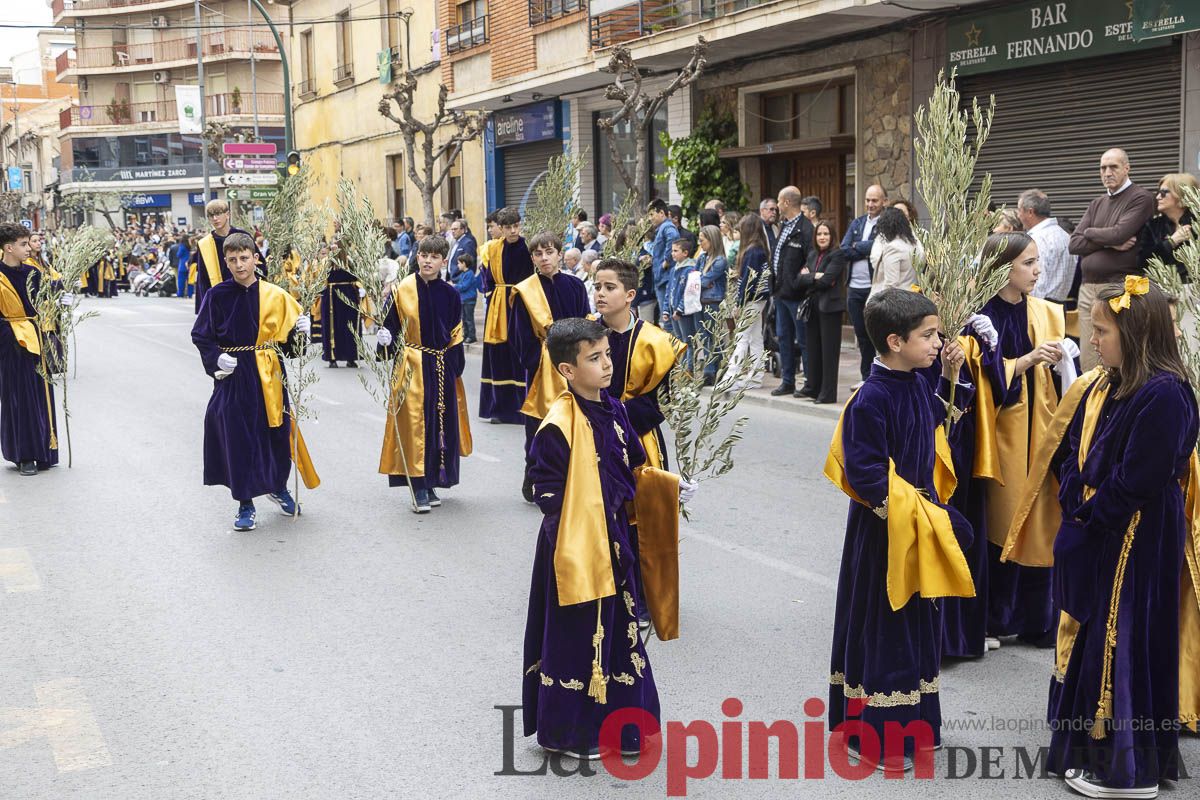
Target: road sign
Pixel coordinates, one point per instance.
(241, 164)
(251, 179)
(248, 149)
(250, 194)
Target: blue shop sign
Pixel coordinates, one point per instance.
(197, 198)
(535, 123)
(148, 200)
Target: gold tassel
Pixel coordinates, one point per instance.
(598, 686)
(1104, 709)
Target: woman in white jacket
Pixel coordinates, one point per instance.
(893, 253)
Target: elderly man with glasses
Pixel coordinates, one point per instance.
(209, 255)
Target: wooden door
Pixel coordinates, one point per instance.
(823, 175)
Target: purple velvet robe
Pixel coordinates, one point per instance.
(502, 384)
(643, 410)
(558, 639)
(339, 317)
(567, 297)
(202, 282)
(24, 419)
(1139, 454)
(1019, 597)
(878, 653)
(241, 451)
(440, 308)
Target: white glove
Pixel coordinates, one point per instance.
(361, 293)
(687, 490)
(66, 299)
(304, 323)
(226, 362)
(983, 326)
(384, 337)
(1066, 365)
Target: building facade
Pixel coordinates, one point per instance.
(123, 136)
(340, 72)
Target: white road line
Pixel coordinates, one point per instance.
(157, 324)
(17, 572)
(762, 558)
(326, 400)
(63, 717)
(373, 417)
(486, 457)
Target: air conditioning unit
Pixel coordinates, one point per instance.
(162, 76)
(160, 22)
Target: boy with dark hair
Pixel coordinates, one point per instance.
(889, 454)
(502, 382)
(250, 439)
(583, 656)
(548, 295)
(28, 435)
(431, 428)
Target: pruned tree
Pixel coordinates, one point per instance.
(638, 108)
(87, 200)
(436, 159)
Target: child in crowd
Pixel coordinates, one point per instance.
(466, 280)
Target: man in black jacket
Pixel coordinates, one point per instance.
(791, 253)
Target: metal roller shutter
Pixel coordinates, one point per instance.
(523, 165)
(1053, 122)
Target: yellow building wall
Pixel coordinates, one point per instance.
(339, 130)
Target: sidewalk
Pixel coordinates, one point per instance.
(847, 375)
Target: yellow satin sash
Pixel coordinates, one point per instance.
(13, 311)
(1020, 429)
(45, 269)
(1189, 605)
(495, 326)
(656, 514)
(212, 261)
(652, 354)
(924, 556)
(409, 428)
(277, 313)
(547, 383)
(986, 463)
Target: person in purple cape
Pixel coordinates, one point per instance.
(548, 295)
(428, 427)
(28, 435)
(340, 318)
(502, 382)
(583, 657)
(250, 439)
(890, 456)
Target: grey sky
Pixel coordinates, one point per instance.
(16, 40)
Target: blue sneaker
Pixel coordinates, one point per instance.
(287, 504)
(246, 518)
(434, 500)
(421, 501)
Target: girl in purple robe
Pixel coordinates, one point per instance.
(1114, 700)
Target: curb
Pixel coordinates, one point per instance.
(827, 412)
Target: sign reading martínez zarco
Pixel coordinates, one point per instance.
(1027, 34)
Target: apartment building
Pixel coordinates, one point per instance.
(124, 134)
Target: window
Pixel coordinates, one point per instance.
(396, 171)
(471, 29)
(610, 189)
(544, 10)
(307, 67)
(344, 70)
(454, 183)
(393, 33)
(811, 113)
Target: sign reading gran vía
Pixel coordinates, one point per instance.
(1028, 34)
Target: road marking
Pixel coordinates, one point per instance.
(327, 400)
(63, 718)
(765, 560)
(486, 457)
(17, 572)
(116, 312)
(158, 324)
(379, 418)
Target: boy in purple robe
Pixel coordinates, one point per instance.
(248, 432)
(340, 318)
(884, 673)
(502, 383)
(27, 421)
(425, 436)
(584, 658)
(548, 295)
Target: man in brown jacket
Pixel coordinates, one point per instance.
(1107, 237)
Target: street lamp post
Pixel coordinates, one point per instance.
(287, 77)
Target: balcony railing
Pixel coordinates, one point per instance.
(59, 6)
(306, 88)
(231, 41)
(640, 18)
(343, 72)
(118, 113)
(545, 10)
(469, 34)
(63, 62)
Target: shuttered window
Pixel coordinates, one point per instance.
(523, 165)
(1053, 122)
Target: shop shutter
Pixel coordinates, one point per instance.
(523, 164)
(1053, 122)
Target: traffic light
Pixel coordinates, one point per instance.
(293, 162)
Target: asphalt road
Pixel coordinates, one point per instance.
(361, 651)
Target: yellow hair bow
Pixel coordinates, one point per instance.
(1134, 285)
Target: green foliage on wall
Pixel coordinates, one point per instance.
(700, 172)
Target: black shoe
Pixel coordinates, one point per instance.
(28, 468)
(496, 421)
(352, 364)
(527, 489)
(710, 380)
(333, 365)
(434, 500)
(782, 389)
(804, 391)
(823, 401)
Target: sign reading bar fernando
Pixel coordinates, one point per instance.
(535, 123)
(1027, 34)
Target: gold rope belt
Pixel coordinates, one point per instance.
(45, 376)
(439, 362)
(247, 348)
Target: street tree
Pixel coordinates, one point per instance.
(436, 160)
(86, 199)
(637, 110)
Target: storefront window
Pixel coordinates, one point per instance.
(610, 189)
(152, 150)
(813, 113)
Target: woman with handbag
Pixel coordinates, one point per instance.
(821, 310)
